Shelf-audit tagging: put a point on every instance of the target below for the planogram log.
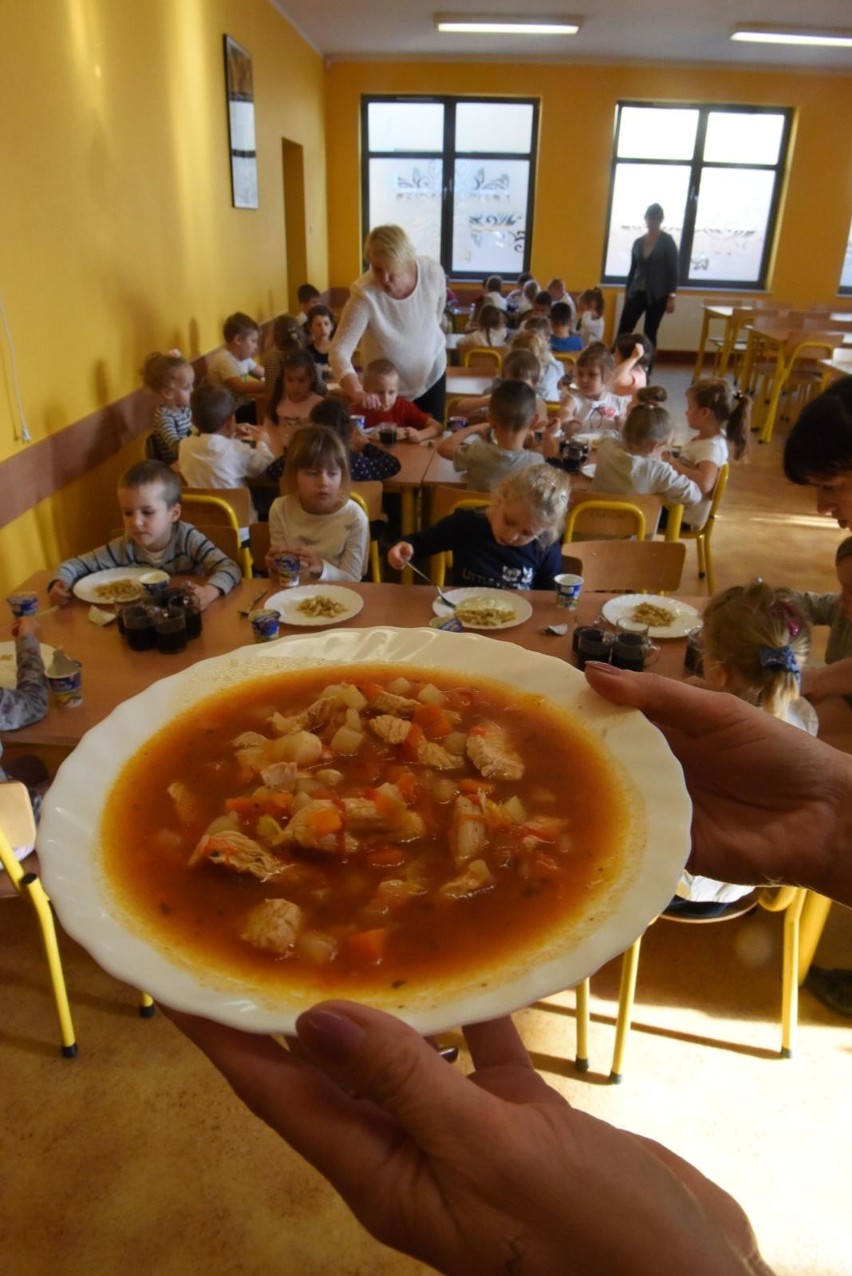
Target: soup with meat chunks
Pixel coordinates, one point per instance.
(348, 827)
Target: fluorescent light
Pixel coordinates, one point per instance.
(485, 24)
(777, 35)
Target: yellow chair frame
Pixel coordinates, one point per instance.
(626, 566)
(217, 510)
(703, 535)
(480, 356)
(625, 515)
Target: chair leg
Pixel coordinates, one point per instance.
(147, 1006)
(41, 904)
(702, 563)
(790, 973)
(708, 563)
(581, 992)
(626, 992)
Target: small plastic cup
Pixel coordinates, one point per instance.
(387, 435)
(170, 631)
(568, 588)
(139, 620)
(456, 423)
(287, 568)
(265, 624)
(23, 603)
(154, 584)
(359, 422)
(66, 680)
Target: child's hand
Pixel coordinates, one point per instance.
(245, 430)
(400, 555)
(310, 558)
(638, 352)
(59, 593)
(26, 627)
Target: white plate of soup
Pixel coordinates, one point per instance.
(249, 849)
(666, 617)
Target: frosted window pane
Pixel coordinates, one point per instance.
(730, 225)
(490, 218)
(408, 193)
(637, 186)
(846, 276)
(734, 138)
(648, 132)
(405, 126)
(494, 126)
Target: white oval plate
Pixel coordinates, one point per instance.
(685, 616)
(522, 606)
(656, 848)
(287, 603)
(86, 587)
(9, 663)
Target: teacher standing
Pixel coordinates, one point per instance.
(652, 279)
(394, 312)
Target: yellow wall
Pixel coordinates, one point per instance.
(118, 231)
(577, 116)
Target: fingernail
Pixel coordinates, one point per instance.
(329, 1037)
(601, 666)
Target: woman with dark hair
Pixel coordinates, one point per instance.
(652, 278)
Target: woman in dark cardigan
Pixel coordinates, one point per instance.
(652, 280)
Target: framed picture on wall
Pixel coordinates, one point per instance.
(239, 87)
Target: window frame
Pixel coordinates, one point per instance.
(696, 165)
(447, 157)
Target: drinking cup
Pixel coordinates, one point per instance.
(693, 660)
(456, 423)
(170, 631)
(65, 679)
(23, 603)
(568, 587)
(633, 651)
(154, 584)
(359, 422)
(190, 609)
(593, 644)
(265, 624)
(387, 435)
(139, 621)
(287, 568)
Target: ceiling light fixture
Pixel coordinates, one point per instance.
(778, 35)
(498, 24)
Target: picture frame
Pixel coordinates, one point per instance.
(239, 90)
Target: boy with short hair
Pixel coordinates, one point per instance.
(154, 536)
(307, 296)
(495, 449)
(217, 456)
(381, 382)
(234, 365)
(563, 337)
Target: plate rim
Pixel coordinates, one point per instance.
(307, 591)
(111, 573)
(42, 646)
(68, 834)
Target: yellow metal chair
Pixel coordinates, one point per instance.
(483, 358)
(626, 566)
(607, 516)
(568, 359)
(225, 507)
(787, 899)
(467, 501)
(703, 535)
(368, 494)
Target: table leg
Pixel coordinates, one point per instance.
(727, 346)
(748, 362)
(408, 524)
(782, 371)
(702, 342)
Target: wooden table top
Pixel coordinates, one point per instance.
(781, 334)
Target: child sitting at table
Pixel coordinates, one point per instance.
(518, 365)
(513, 544)
(755, 642)
(536, 339)
(217, 456)
(413, 425)
(297, 390)
(320, 327)
(20, 705)
(491, 451)
(366, 461)
(287, 337)
(307, 296)
(721, 417)
(315, 518)
(516, 295)
(530, 291)
(597, 408)
(634, 462)
(563, 338)
(633, 354)
(834, 678)
(490, 330)
(233, 365)
(171, 378)
(590, 315)
(149, 497)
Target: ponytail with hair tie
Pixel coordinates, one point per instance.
(780, 658)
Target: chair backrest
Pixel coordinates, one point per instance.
(612, 514)
(212, 504)
(568, 358)
(259, 542)
(718, 493)
(229, 541)
(444, 497)
(368, 493)
(626, 566)
(484, 357)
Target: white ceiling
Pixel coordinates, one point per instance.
(660, 31)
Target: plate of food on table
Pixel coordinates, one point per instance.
(364, 813)
(482, 608)
(315, 605)
(665, 617)
(112, 585)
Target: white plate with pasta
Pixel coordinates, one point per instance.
(482, 608)
(315, 605)
(112, 585)
(666, 617)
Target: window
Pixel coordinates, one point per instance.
(846, 272)
(458, 174)
(717, 172)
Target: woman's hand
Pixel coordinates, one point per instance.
(770, 803)
(59, 593)
(489, 1173)
(367, 401)
(400, 554)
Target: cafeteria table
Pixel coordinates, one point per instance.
(783, 344)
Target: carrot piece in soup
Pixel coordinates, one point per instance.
(412, 741)
(385, 857)
(368, 946)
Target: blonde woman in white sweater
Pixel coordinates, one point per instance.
(394, 312)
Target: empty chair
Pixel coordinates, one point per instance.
(483, 359)
(626, 566)
(600, 514)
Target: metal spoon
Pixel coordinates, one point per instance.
(254, 602)
(448, 602)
